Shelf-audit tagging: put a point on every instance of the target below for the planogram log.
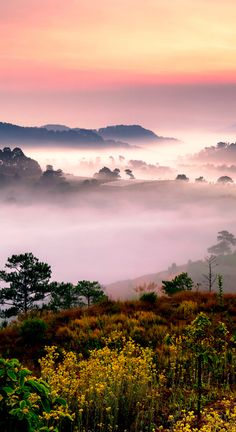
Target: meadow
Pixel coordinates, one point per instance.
(157, 365)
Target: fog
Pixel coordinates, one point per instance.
(121, 229)
(119, 232)
(162, 160)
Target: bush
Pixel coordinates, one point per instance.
(26, 403)
(150, 297)
(33, 329)
(113, 390)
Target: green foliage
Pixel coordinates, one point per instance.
(182, 282)
(150, 297)
(64, 296)
(28, 280)
(192, 346)
(203, 344)
(90, 292)
(26, 403)
(33, 330)
(220, 289)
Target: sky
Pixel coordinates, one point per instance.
(162, 63)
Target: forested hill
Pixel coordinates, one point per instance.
(118, 136)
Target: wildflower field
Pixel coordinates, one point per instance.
(167, 365)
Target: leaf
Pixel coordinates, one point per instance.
(12, 375)
(40, 388)
(23, 404)
(8, 390)
(61, 401)
(22, 374)
(46, 405)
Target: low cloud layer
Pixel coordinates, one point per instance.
(119, 232)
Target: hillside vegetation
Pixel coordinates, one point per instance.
(165, 364)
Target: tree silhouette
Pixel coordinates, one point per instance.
(182, 177)
(129, 173)
(28, 280)
(90, 292)
(64, 296)
(224, 180)
(107, 175)
(225, 242)
(200, 180)
(210, 276)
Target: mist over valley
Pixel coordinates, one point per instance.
(131, 219)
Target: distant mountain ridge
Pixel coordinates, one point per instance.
(10, 133)
(124, 133)
(126, 289)
(129, 133)
(56, 134)
(55, 127)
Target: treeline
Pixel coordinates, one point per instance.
(29, 286)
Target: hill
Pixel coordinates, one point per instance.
(54, 135)
(130, 133)
(126, 289)
(55, 127)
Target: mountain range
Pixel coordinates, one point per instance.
(54, 134)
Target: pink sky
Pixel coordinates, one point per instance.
(51, 50)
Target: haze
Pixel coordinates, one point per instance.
(167, 65)
(117, 232)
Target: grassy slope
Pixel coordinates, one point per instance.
(84, 329)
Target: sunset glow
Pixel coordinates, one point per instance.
(105, 45)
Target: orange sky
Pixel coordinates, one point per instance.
(94, 45)
(79, 43)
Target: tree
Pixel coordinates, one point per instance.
(182, 282)
(107, 175)
(182, 177)
(64, 296)
(28, 280)
(224, 180)
(221, 248)
(205, 344)
(129, 173)
(220, 289)
(91, 292)
(53, 178)
(225, 242)
(200, 180)
(226, 236)
(210, 276)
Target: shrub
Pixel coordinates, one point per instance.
(26, 403)
(33, 329)
(114, 389)
(149, 297)
(187, 308)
